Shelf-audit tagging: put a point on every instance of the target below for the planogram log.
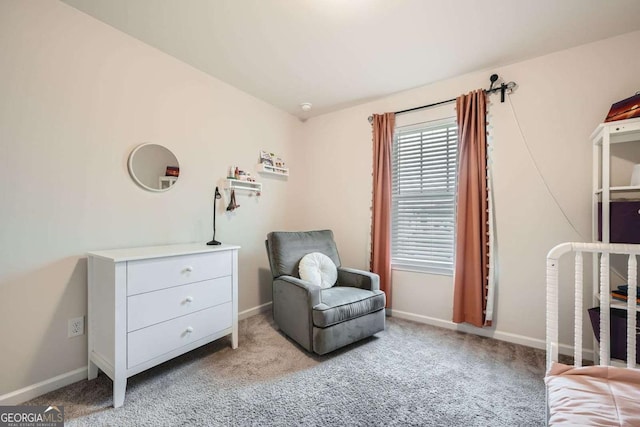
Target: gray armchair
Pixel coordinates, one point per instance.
(321, 320)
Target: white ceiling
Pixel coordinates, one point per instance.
(336, 53)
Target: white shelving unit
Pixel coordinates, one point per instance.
(614, 303)
(272, 170)
(603, 137)
(236, 184)
(622, 189)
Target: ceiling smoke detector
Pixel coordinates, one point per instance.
(306, 106)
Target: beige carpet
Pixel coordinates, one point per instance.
(410, 374)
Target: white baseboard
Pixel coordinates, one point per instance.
(30, 392)
(490, 333)
(255, 310)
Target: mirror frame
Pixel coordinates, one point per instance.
(135, 177)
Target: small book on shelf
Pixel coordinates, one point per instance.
(621, 296)
(624, 289)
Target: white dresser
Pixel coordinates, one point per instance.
(148, 305)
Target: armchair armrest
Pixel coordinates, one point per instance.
(358, 279)
(293, 302)
(312, 291)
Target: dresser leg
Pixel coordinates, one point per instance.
(119, 387)
(92, 371)
(234, 340)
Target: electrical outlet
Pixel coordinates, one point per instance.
(75, 327)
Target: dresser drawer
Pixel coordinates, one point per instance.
(154, 307)
(159, 273)
(148, 343)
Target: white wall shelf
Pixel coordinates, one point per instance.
(272, 170)
(236, 184)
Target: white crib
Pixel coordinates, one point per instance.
(600, 395)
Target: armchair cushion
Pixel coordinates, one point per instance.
(318, 269)
(339, 304)
(286, 249)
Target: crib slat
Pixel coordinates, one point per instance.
(601, 261)
(577, 325)
(632, 280)
(604, 309)
(552, 311)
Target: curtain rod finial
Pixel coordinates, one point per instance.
(370, 119)
(493, 79)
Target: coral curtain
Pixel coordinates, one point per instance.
(383, 128)
(472, 248)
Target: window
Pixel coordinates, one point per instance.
(424, 196)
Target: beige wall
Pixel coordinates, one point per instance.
(560, 100)
(76, 96)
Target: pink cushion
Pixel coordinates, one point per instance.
(593, 396)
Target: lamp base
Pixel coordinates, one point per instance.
(213, 242)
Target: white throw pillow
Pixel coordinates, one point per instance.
(318, 269)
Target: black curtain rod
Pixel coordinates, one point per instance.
(502, 88)
(425, 106)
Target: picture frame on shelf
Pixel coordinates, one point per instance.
(266, 158)
(271, 159)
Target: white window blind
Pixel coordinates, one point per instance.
(424, 196)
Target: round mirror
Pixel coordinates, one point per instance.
(153, 167)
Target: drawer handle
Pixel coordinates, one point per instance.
(189, 329)
(188, 269)
(189, 299)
